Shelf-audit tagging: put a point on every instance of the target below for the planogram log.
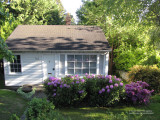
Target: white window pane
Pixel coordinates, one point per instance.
(71, 71)
(70, 58)
(71, 64)
(15, 66)
(92, 71)
(78, 64)
(101, 64)
(62, 64)
(86, 64)
(85, 57)
(78, 57)
(92, 64)
(93, 58)
(78, 71)
(85, 71)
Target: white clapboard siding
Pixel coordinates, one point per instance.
(35, 70)
(31, 70)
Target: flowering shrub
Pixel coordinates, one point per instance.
(148, 74)
(103, 90)
(137, 92)
(66, 91)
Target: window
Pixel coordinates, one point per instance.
(15, 66)
(81, 64)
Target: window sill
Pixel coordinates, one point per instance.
(15, 74)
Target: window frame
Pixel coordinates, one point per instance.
(9, 67)
(97, 63)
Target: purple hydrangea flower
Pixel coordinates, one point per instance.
(61, 86)
(55, 85)
(86, 74)
(65, 85)
(49, 83)
(72, 83)
(110, 81)
(76, 75)
(68, 86)
(108, 90)
(81, 91)
(116, 85)
(77, 78)
(117, 79)
(100, 91)
(82, 80)
(77, 82)
(51, 78)
(121, 84)
(54, 94)
(103, 90)
(71, 77)
(107, 87)
(111, 86)
(54, 89)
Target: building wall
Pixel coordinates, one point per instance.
(33, 67)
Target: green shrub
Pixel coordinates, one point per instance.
(103, 90)
(26, 95)
(148, 74)
(38, 108)
(64, 92)
(14, 117)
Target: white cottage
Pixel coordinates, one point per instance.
(55, 50)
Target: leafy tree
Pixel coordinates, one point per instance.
(36, 12)
(125, 25)
(5, 21)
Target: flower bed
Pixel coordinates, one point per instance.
(94, 90)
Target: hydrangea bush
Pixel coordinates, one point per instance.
(103, 90)
(137, 93)
(66, 91)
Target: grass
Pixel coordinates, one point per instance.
(150, 112)
(11, 103)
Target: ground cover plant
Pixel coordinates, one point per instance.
(11, 103)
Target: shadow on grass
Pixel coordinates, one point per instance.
(2, 82)
(113, 113)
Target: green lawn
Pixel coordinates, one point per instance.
(150, 112)
(11, 103)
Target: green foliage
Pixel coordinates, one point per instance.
(148, 74)
(37, 12)
(132, 27)
(8, 22)
(99, 95)
(6, 27)
(26, 95)
(38, 108)
(14, 117)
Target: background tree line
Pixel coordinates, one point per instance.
(27, 12)
(132, 28)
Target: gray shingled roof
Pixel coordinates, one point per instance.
(57, 37)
